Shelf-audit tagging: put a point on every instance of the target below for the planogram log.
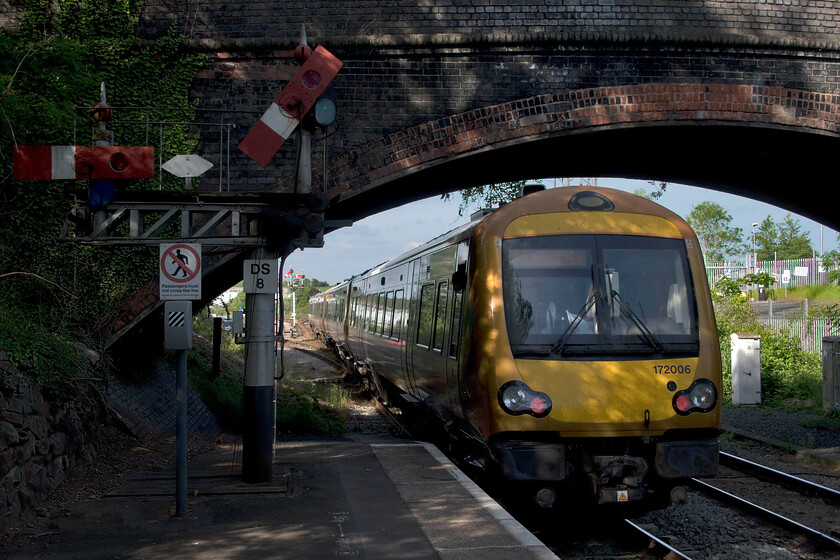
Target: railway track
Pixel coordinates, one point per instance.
(653, 540)
(778, 498)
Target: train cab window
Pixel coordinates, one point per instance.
(440, 315)
(426, 314)
(577, 295)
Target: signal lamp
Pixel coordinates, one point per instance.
(311, 79)
(324, 111)
(701, 396)
(101, 112)
(119, 162)
(516, 398)
(101, 193)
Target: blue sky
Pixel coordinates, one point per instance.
(371, 241)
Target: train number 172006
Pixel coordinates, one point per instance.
(672, 369)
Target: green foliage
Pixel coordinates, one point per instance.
(303, 413)
(789, 374)
(487, 196)
(51, 294)
(659, 189)
(783, 241)
(831, 260)
(761, 278)
(726, 287)
(712, 224)
(303, 292)
(223, 396)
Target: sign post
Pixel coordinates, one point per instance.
(180, 281)
(260, 286)
(177, 330)
(180, 271)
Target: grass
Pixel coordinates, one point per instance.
(304, 406)
(823, 295)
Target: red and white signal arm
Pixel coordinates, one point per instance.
(284, 115)
(33, 163)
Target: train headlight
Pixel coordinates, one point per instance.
(517, 398)
(700, 397)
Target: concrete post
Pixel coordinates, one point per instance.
(258, 391)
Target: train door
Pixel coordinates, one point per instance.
(428, 363)
(455, 319)
(411, 334)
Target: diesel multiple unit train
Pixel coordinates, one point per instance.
(566, 341)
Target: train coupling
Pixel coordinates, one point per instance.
(620, 478)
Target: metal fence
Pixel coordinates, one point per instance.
(788, 273)
(810, 332)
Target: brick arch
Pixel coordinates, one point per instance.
(683, 108)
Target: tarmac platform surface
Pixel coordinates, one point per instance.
(376, 498)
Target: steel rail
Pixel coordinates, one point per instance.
(763, 513)
(660, 548)
(828, 495)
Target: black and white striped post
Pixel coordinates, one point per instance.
(260, 286)
(178, 336)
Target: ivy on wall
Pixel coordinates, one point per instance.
(54, 294)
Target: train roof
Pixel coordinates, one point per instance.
(560, 199)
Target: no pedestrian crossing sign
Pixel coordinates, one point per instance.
(180, 271)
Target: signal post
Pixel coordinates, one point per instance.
(306, 102)
(260, 286)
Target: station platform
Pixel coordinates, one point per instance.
(377, 497)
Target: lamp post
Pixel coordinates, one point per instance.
(755, 261)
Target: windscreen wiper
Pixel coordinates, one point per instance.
(558, 348)
(648, 336)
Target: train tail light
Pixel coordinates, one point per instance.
(700, 397)
(517, 398)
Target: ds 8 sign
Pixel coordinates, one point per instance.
(260, 277)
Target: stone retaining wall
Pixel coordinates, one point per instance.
(40, 442)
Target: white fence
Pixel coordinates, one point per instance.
(788, 273)
(810, 332)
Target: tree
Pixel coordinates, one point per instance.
(654, 195)
(783, 241)
(53, 296)
(793, 242)
(766, 239)
(712, 224)
(487, 196)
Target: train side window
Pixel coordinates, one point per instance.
(388, 310)
(378, 314)
(440, 315)
(456, 325)
(371, 313)
(396, 333)
(426, 314)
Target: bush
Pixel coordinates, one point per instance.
(790, 376)
(302, 407)
(302, 413)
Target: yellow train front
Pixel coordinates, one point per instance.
(593, 368)
(566, 341)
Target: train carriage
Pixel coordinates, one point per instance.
(567, 339)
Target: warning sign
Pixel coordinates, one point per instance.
(180, 271)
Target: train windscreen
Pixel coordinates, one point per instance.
(579, 295)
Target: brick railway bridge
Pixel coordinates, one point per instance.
(738, 96)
